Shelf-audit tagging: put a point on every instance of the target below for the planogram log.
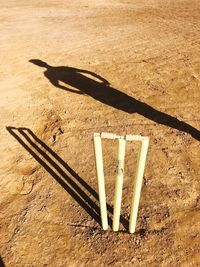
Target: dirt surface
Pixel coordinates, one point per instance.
(72, 68)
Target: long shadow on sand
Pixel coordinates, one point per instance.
(71, 182)
(98, 88)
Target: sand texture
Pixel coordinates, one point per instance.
(72, 68)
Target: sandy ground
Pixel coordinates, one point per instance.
(72, 68)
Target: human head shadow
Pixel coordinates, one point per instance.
(65, 176)
(1, 263)
(85, 82)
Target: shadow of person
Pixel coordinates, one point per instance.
(1, 263)
(89, 83)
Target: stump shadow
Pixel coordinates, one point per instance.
(87, 83)
(75, 185)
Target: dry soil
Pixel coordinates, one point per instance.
(72, 68)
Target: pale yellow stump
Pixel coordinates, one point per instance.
(119, 183)
(101, 182)
(138, 184)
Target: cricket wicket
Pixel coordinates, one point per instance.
(144, 142)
